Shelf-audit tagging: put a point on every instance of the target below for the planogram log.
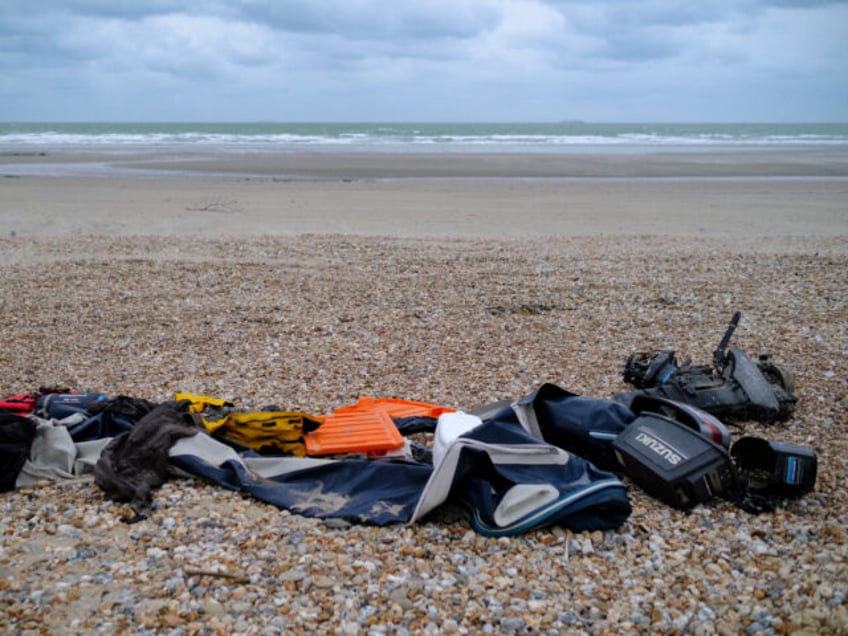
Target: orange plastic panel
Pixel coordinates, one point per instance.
(354, 432)
(395, 408)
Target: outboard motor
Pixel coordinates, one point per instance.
(735, 387)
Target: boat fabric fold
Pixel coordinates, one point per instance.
(584, 426)
(377, 492)
(509, 481)
(512, 482)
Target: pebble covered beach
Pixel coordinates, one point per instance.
(314, 322)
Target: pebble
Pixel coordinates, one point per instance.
(315, 322)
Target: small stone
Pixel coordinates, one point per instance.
(324, 582)
(512, 624)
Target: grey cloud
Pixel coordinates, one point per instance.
(340, 33)
(804, 4)
(352, 18)
(103, 8)
(373, 19)
(639, 48)
(651, 30)
(47, 42)
(414, 54)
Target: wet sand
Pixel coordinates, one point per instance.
(729, 195)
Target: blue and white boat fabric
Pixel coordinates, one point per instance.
(584, 426)
(512, 482)
(509, 480)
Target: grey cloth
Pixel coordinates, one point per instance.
(135, 463)
(215, 453)
(53, 453)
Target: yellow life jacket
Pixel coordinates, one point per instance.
(200, 403)
(280, 431)
(275, 431)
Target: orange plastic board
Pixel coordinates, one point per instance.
(395, 408)
(354, 433)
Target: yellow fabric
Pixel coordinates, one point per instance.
(279, 430)
(200, 403)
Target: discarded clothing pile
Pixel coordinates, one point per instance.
(548, 458)
(353, 464)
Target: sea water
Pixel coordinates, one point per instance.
(420, 137)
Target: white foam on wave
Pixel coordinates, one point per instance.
(410, 137)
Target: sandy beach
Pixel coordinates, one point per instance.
(311, 280)
(717, 194)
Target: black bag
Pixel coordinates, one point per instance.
(16, 435)
(57, 406)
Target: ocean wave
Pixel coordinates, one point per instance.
(379, 136)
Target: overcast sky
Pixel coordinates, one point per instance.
(423, 60)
